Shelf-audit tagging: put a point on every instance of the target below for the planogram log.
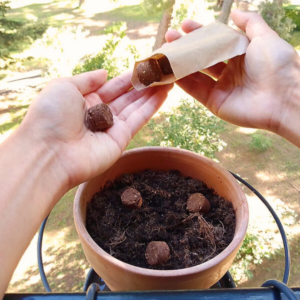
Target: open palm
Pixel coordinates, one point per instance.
(57, 117)
(252, 90)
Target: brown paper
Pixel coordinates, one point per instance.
(196, 51)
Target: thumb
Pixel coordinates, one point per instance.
(252, 23)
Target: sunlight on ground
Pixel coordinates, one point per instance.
(266, 176)
(64, 17)
(21, 3)
(92, 7)
(246, 130)
(149, 30)
(29, 259)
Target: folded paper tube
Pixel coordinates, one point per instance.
(198, 50)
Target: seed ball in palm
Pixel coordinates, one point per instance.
(132, 198)
(157, 253)
(198, 203)
(99, 117)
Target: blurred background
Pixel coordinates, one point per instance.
(45, 39)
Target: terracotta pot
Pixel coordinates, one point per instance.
(120, 276)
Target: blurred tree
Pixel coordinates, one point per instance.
(80, 2)
(154, 7)
(15, 35)
(226, 8)
(276, 17)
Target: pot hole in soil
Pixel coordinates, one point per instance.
(192, 237)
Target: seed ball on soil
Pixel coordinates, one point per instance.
(148, 72)
(198, 203)
(131, 198)
(99, 117)
(157, 253)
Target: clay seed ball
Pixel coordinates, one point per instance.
(148, 72)
(99, 117)
(131, 198)
(198, 203)
(157, 253)
(165, 65)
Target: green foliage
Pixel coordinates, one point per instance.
(294, 15)
(179, 15)
(15, 35)
(153, 7)
(260, 143)
(295, 40)
(190, 126)
(104, 59)
(275, 16)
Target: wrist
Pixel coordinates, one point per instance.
(27, 153)
(289, 119)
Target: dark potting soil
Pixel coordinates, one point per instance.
(124, 233)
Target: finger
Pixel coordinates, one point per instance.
(252, 23)
(126, 99)
(127, 111)
(172, 35)
(141, 116)
(198, 85)
(115, 87)
(90, 81)
(189, 26)
(123, 130)
(216, 70)
(92, 99)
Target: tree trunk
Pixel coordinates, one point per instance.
(81, 2)
(164, 25)
(226, 8)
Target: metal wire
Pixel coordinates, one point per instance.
(40, 256)
(281, 287)
(280, 227)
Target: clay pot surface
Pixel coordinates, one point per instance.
(120, 276)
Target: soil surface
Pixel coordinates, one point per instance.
(193, 238)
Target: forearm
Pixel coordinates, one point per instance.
(31, 182)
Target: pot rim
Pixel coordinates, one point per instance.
(238, 237)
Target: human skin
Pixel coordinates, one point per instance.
(53, 151)
(259, 89)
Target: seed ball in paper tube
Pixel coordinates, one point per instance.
(193, 52)
(149, 72)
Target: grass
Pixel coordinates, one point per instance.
(17, 114)
(295, 40)
(59, 13)
(292, 6)
(55, 13)
(260, 142)
(127, 14)
(141, 139)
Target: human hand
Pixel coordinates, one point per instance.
(258, 89)
(56, 118)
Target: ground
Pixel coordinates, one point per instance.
(268, 162)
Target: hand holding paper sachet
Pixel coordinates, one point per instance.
(259, 89)
(194, 52)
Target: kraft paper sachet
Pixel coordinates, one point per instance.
(198, 50)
